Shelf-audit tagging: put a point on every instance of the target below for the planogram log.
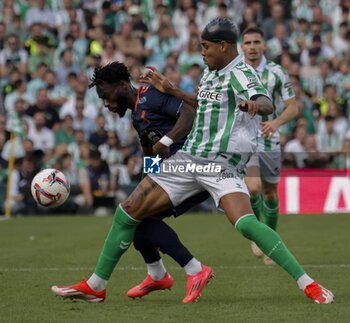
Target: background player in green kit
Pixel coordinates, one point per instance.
(263, 169)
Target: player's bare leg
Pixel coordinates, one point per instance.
(253, 182)
(148, 198)
(239, 212)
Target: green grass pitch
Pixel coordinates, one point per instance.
(37, 252)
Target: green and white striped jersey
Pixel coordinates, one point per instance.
(220, 127)
(276, 80)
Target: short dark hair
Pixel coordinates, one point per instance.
(66, 50)
(220, 29)
(253, 30)
(95, 154)
(42, 64)
(69, 36)
(72, 75)
(343, 24)
(11, 35)
(329, 86)
(317, 38)
(106, 5)
(329, 118)
(111, 73)
(222, 5)
(17, 84)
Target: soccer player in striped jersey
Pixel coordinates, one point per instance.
(263, 169)
(223, 133)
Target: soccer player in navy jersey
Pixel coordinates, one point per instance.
(162, 123)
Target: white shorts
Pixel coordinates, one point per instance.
(181, 185)
(269, 164)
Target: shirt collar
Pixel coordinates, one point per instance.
(262, 65)
(232, 64)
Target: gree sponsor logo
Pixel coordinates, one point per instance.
(210, 95)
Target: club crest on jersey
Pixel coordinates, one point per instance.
(210, 95)
(264, 80)
(142, 100)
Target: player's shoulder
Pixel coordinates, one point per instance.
(148, 98)
(146, 89)
(244, 72)
(150, 92)
(276, 68)
(243, 66)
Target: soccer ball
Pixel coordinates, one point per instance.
(50, 188)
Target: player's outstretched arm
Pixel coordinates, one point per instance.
(265, 106)
(257, 105)
(183, 124)
(180, 130)
(289, 113)
(162, 84)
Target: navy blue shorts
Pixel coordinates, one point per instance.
(190, 203)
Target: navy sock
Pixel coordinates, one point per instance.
(144, 245)
(152, 235)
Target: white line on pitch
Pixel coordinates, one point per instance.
(172, 268)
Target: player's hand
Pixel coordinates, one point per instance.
(158, 80)
(161, 150)
(249, 106)
(269, 128)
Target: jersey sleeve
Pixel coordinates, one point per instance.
(169, 105)
(286, 86)
(247, 83)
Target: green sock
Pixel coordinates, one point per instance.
(118, 241)
(255, 201)
(270, 243)
(270, 210)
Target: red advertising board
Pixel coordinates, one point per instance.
(304, 191)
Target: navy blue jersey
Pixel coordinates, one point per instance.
(155, 114)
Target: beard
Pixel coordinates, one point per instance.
(121, 111)
(123, 103)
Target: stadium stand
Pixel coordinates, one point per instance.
(48, 50)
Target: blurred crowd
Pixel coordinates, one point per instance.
(48, 50)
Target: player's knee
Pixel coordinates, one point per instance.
(255, 188)
(131, 208)
(270, 195)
